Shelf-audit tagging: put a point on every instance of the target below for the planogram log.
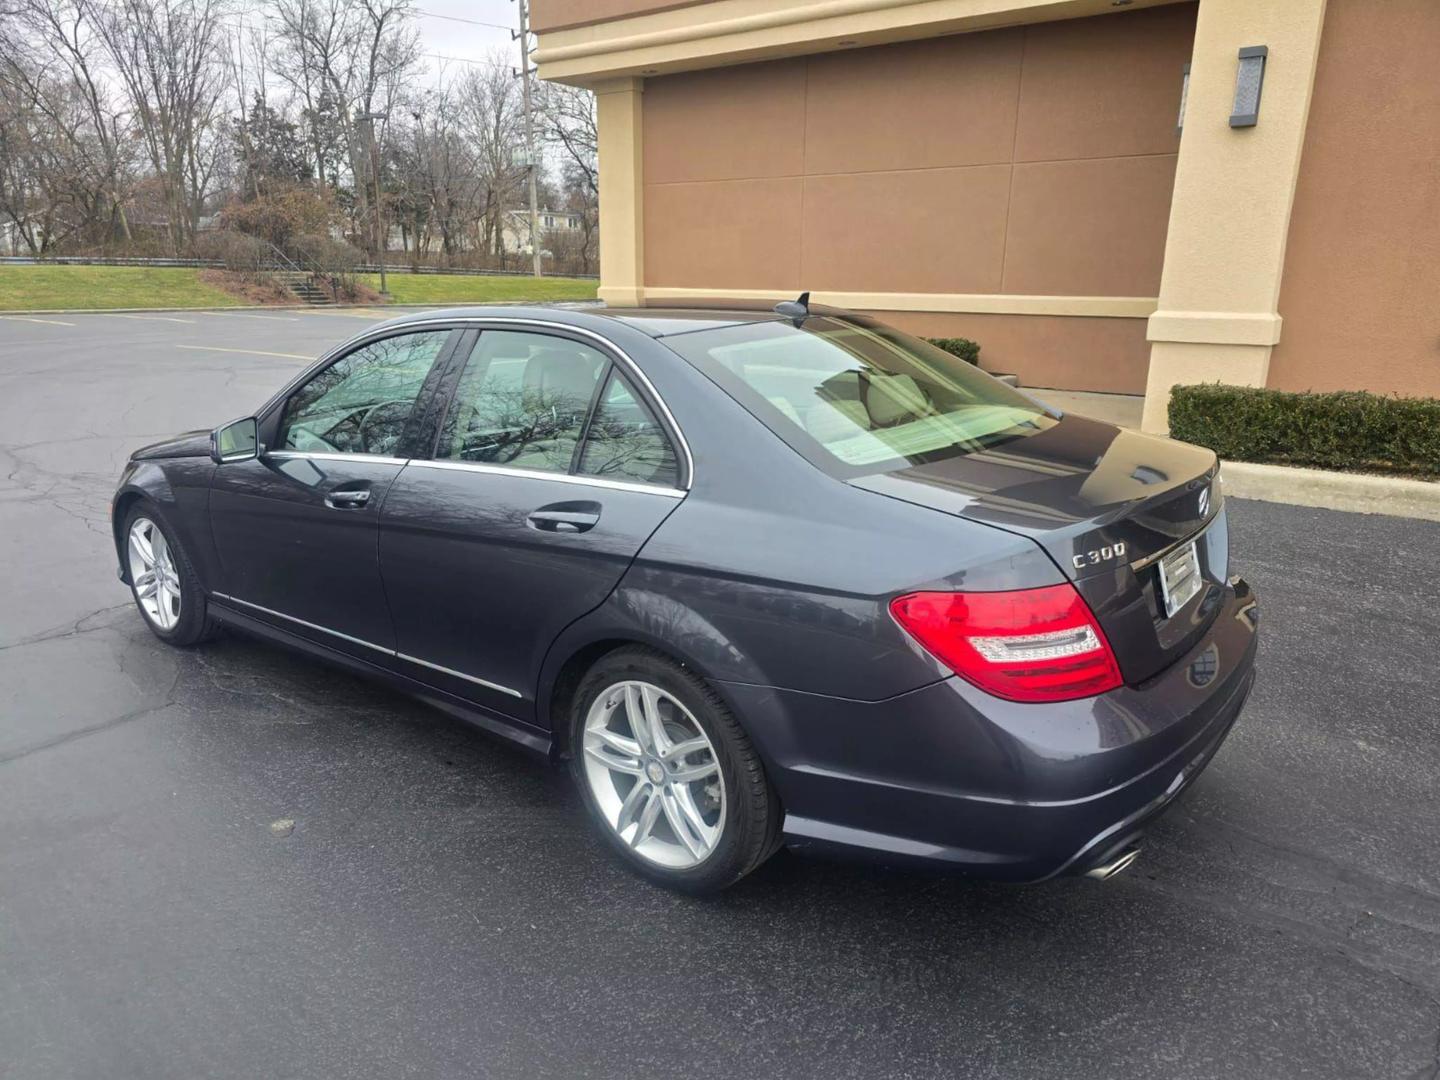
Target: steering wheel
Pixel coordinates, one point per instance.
(392, 412)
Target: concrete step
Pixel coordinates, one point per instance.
(305, 289)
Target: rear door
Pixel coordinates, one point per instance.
(296, 529)
(549, 472)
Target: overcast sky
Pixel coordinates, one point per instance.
(445, 36)
(453, 33)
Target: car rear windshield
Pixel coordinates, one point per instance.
(857, 397)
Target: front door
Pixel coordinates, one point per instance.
(296, 528)
(549, 473)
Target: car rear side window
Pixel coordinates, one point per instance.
(521, 401)
(857, 397)
(361, 403)
(625, 442)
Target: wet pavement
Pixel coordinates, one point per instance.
(437, 908)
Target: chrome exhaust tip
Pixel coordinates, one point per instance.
(1105, 871)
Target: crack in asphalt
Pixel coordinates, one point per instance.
(58, 633)
(94, 729)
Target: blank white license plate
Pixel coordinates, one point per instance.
(1179, 578)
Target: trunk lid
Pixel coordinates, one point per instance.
(1107, 504)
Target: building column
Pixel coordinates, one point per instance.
(622, 191)
(1230, 213)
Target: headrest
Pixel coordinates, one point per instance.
(562, 375)
(889, 398)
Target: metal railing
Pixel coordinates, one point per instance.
(97, 260)
(316, 276)
(287, 264)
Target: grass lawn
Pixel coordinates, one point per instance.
(481, 288)
(80, 288)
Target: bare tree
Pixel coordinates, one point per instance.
(120, 113)
(349, 56)
(51, 63)
(169, 56)
(567, 121)
(488, 104)
(568, 124)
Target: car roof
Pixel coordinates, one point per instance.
(657, 322)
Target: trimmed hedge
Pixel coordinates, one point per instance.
(962, 347)
(1347, 430)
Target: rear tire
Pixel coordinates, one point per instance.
(163, 581)
(684, 802)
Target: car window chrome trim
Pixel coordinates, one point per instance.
(369, 645)
(631, 367)
(539, 474)
(332, 455)
(374, 333)
(460, 675)
(455, 322)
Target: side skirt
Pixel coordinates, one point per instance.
(526, 735)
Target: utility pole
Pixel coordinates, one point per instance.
(533, 164)
(370, 119)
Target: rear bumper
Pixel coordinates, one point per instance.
(948, 775)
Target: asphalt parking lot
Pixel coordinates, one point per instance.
(440, 910)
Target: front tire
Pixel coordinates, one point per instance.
(674, 784)
(163, 581)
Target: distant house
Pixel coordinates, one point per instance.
(12, 239)
(515, 235)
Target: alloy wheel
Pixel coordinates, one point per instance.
(654, 774)
(153, 571)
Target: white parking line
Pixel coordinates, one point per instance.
(31, 318)
(151, 318)
(352, 313)
(246, 315)
(245, 352)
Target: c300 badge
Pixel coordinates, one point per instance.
(1098, 556)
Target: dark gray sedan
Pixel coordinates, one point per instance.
(761, 577)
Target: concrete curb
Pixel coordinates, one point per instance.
(1353, 492)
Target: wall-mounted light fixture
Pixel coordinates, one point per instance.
(1184, 94)
(1249, 78)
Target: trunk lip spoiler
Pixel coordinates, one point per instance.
(1156, 556)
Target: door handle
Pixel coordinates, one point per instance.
(347, 500)
(573, 517)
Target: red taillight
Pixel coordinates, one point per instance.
(1029, 645)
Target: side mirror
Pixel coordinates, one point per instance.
(238, 440)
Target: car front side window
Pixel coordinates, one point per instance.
(521, 401)
(361, 403)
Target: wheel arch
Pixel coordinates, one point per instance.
(701, 648)
(147, 483)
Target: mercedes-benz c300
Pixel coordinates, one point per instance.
(759, 577)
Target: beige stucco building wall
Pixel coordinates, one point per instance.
(1361, 290)
(1009, 170)
(1032, 161)
(551, 15)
